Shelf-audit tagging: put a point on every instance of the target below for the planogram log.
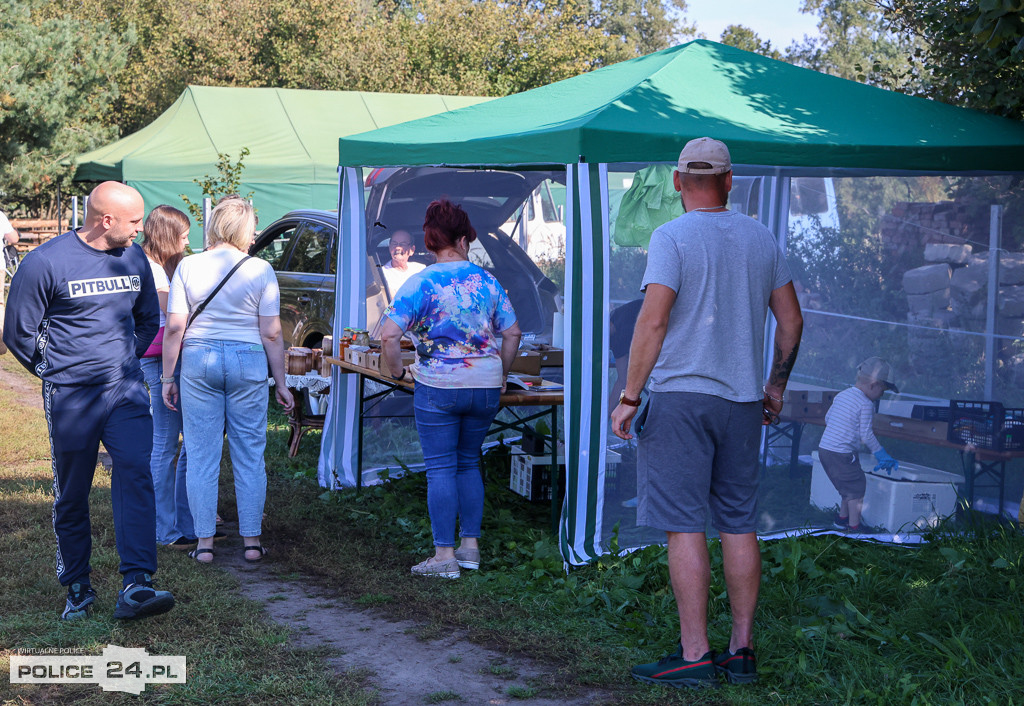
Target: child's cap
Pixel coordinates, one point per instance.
(878, 369)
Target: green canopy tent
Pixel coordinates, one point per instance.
(291, 136)
(778, 120)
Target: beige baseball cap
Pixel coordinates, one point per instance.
(878, 369)
(704, 151)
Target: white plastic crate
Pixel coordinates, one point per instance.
(913, 496)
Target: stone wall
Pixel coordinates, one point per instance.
(911, 226)
(951, 290)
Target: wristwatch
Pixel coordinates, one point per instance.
(625, 400)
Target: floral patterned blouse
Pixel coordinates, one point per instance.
(456, 311)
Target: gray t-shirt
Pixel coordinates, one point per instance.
(723, 267)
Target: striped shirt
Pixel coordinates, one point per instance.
(848, 423)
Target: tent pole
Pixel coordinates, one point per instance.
(773, 211)
(995, 227)
(207, 208)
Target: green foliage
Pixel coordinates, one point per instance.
(855, 43)
(747, 39)
(521, 692)
(417, 46)
(56, 83)
(972, 51)
(225, 182)
(439, 697)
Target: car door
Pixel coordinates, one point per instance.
(303, 280)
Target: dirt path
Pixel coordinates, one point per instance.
(405, 669)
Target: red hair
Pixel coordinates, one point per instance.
(444, 224)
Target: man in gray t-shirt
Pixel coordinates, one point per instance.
(712, 275)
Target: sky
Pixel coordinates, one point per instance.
(777, 20)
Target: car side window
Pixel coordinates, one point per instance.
(311, 247)
(275, 251)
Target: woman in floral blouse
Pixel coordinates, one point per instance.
(467, 337)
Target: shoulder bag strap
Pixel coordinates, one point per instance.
(199, 309)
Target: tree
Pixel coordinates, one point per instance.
(56, 82)
(747, 39)
(468, 47)
(973, 50)
(225, 182)
(856, 43)
(972, 56)
(643, 26)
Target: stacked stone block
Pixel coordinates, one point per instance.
(952, 292)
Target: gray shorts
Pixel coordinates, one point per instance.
(698, 452)
(845, 472)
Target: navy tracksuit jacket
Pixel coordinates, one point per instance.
(80, 319)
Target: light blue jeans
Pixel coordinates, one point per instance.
(173, 516)
(452, 424)
(224, 388)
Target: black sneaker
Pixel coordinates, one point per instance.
(675, 671)
(738, 667)
(183, 543)
(140, 600)
(841, 523)
(80, 600)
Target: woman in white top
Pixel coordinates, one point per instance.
(164, 239)
(223, 382)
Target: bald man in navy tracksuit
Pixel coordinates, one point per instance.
(82, 310)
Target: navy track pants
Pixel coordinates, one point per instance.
(79, 417)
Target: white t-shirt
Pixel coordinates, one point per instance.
(396, 277)
(232, 315)
(5, 228)
(161, 283)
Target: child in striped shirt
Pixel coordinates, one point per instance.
(847, 427)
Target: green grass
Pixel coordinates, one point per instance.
(234, 655)
(839, 622)
(521, 692)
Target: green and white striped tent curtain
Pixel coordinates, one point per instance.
(586, 341)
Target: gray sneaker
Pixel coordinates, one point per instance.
(439, 569)
(139, 599)
(79, 603)
(468, 558)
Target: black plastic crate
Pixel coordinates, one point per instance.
(979, 424)
(1012, 434)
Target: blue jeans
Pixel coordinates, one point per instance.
(452, 424)
(173, 516)
(224, 387)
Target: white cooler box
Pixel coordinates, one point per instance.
(913, 495)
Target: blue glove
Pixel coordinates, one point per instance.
(885, 461)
